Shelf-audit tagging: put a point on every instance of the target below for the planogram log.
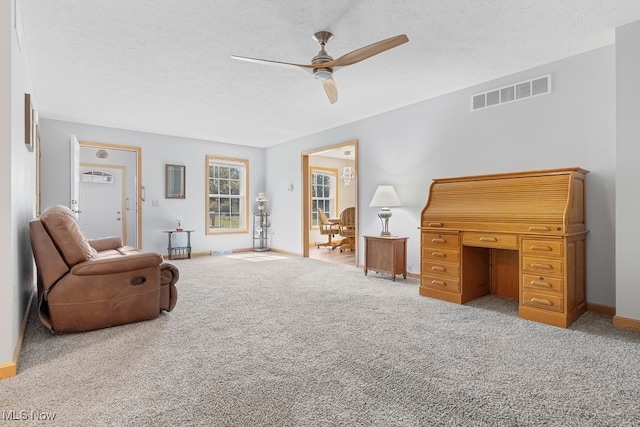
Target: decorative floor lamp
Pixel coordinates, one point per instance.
(384, 198)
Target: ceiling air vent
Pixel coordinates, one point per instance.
(514, 92)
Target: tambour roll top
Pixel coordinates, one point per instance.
(548, 202)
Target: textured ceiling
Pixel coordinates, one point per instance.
(164, 66)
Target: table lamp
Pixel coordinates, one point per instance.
(384, 198)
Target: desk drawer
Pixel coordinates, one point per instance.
(543, 266)
(441, 269)
(490, 240)
(449, 285)
(441, 255)
(552, 248)
(542, 283)
(437, 240)
(541, 300)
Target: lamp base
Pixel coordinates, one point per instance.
(384, 214)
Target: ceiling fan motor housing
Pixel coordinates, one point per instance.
(322, 73)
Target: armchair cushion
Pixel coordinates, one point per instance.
(64, 230)
(106, 243)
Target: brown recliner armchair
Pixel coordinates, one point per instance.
(92, 284)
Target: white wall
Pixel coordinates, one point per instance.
(408, 147)
(17, 174)
(7, 305)
(627, 172)
(157, 150)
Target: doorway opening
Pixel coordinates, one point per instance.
(108, 191)
(330, 182)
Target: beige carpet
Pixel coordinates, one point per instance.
(288, 341)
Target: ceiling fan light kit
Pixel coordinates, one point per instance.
(322, 65)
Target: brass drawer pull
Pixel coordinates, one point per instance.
(540, 284)
(488, 239)
(434, 240)
(437, 268)
(438, 282)
(534, 228)
(435, 224)
(541, 266)
(541, 301)
(438, 254)
(541, 248)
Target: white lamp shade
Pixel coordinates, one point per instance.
(385, 197)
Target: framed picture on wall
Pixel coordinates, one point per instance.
(29, 123)
(175, 182)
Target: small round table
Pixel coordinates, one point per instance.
(179, 252)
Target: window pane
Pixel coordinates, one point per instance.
(234, 221)
(224, 187)
(226, 208)
(234, 206)
(213, 186)
(322, 193)
(234, 188)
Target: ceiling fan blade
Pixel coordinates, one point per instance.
(269, 62)
(331, 89)
(369, 51)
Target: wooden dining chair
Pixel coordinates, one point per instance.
(327, 229)
(348, 229)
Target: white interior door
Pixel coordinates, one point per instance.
(102, 201)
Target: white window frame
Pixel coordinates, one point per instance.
(215, 217)
(332, 198)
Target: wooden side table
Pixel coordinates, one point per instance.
(386, 255)
(179, 252)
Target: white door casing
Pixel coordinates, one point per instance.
(133, 195)
(74, 160)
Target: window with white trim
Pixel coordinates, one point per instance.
(227, 195)
(323, 193)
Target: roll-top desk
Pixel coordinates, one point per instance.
(520, 235)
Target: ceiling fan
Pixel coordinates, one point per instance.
(322, 65)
